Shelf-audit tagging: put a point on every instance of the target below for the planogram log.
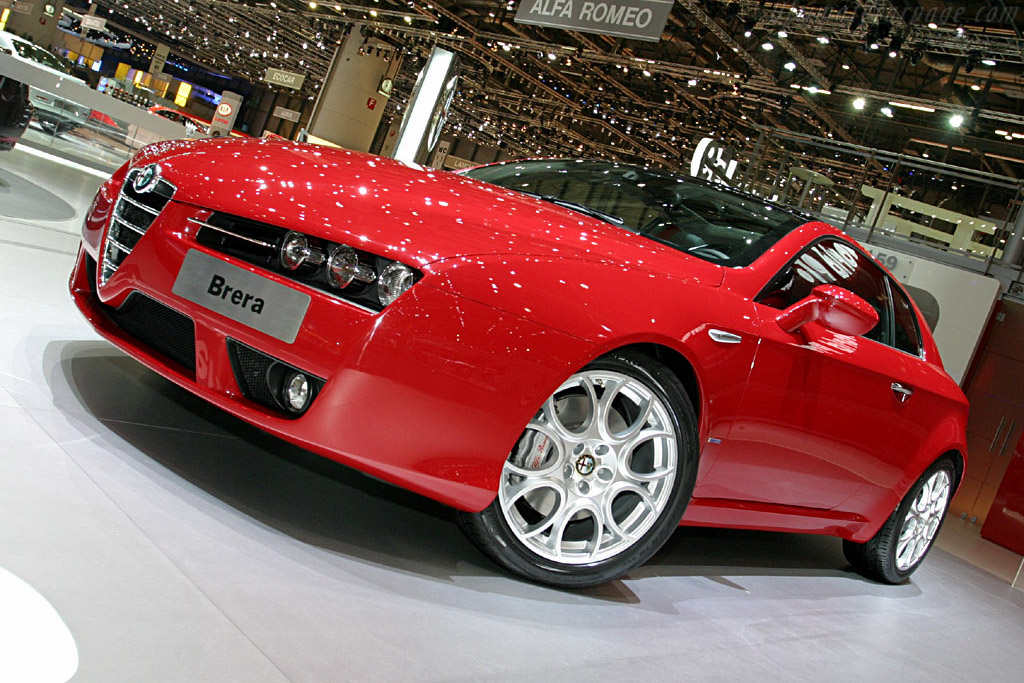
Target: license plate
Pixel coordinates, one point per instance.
(241, 295)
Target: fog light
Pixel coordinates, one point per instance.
(343, 266)
(296, 392)
(395, 281)
(294, 250)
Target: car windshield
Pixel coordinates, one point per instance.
(714, 224)
(39, 55)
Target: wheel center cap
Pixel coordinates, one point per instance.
(585, 464)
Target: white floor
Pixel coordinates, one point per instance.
(178, 544)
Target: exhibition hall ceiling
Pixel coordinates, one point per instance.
(886, 74)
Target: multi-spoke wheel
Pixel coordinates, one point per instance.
(599, 478)
(897, 549)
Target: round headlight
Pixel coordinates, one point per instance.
(396, 279)
(296, 392)
(294, 250)
(343, 266)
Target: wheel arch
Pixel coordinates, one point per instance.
(674, 360)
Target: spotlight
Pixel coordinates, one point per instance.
(988, 62)
(859, 103)
(956, 120)
(932, 25)
(767, 46)
(789, 66)
(887, 111)
(782, 33)
(824, 40)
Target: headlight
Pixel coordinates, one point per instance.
(294, 250)
(396, 279)
(343, 266)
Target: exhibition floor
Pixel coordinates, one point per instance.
(179, 544)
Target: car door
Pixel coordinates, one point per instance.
(820, 411)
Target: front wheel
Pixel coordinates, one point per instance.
(900, 546)
(599, 478)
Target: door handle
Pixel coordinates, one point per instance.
(1013, 425)
(902, 392)
(723, 337)
(995, 438)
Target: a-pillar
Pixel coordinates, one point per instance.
(350, 105)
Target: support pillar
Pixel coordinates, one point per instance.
(1015, 245)
(350, 106)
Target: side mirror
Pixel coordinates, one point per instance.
(837, 309)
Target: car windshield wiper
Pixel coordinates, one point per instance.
(586, 210)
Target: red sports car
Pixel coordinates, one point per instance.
(577, 356)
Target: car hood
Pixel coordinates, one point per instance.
(404, 212)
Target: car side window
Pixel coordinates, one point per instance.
(906, 330)
(832, 261)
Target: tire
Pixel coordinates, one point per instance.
(599, 478)
(903, 542)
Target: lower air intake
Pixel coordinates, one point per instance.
(261, 377)
(159, 327)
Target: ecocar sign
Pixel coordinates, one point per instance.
(284, 78)
(639, 19)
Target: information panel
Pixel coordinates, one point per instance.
(639, 19)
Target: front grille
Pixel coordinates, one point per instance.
(162, 328)
(134, 212)
(261, 377)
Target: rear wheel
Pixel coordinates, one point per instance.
(900, 546)
(599, 478)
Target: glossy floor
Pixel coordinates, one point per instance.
(178, 544)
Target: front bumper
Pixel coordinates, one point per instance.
(430, 394)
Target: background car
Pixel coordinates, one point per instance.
(15, 111)
(54, 113)
(576, 356)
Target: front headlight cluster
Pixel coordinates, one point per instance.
(344, 269)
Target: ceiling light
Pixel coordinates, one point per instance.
(893, 54)
(789, 66)
(846, 67)
(1002, 132)
(859, 103)
(767, 45)
(782, 33)
(907, 105)
(988, 62)
(932, 25)
(887, 111)
(747, 34)
(873, 46)
(956, 120)
(975, 87)
(823, 40)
